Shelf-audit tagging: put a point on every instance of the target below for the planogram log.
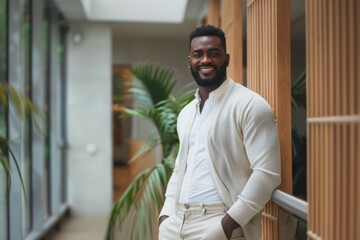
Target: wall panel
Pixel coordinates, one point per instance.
(333, 121)
(268, 69)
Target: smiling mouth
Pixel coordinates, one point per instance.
(206, 69)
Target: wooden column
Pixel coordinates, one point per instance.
(333, 123)
(214, 13)
(268, 69)
(231, 24)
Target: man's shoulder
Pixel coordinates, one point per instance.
(239, 92)
(247, 98)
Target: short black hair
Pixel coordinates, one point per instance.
(208, 30)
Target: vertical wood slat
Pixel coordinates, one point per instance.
(283, 90)
(333, 123)
(231, 24)
(331, 111)
(269, 67)
(213, 17)
(268, 38)
(356, 29)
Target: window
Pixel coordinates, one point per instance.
(26, 160)
(3, 77)
(46, 65)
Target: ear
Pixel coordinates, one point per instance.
(227, 59)
(189, 62)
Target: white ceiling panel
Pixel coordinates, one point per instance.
(152, 11)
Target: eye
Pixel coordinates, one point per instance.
(196, 54)
(214, 53)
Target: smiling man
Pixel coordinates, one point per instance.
(229, 158)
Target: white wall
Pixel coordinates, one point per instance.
(89, 120)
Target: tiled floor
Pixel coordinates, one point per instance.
(85, 228)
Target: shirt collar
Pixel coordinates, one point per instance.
(217, 93)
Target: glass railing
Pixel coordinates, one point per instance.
(292, 216)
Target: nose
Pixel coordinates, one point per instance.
(205, 59)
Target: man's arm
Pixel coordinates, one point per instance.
(260, 138)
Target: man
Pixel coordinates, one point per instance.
(229, 159)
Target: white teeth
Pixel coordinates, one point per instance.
(206, 68)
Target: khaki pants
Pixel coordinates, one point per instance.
(196, 222)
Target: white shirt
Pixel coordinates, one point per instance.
(198, 185)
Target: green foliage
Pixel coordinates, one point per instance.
(25, 109)
(298, 92)
(298, 103)
(3, 36)
(152, 98)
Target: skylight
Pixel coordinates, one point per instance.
(159, 11)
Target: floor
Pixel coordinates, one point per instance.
(94, 228)
(89, 228)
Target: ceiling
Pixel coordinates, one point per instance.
(164, 30)
(165, 19)
(168, 19)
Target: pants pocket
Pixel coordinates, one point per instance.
(215, 231)
(164, 229)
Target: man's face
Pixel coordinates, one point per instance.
(208, 61)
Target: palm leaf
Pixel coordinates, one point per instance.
(151, 143)
(298, 91)
(145, 195)
(152, 83)
(25, 109)
(5, 164)
(5, 149)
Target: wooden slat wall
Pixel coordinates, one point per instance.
(269, 66)
(333, 124)
(213, 17)
(268, 73)
(231, 24)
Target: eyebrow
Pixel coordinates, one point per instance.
(208, 50)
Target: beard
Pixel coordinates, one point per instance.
(218, 78)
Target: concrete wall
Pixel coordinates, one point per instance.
(89, 119)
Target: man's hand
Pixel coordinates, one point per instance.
(229, 225)
(162, 218)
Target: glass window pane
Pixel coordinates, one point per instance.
(46, 62)
(291, 227)
(26, 161)
(3, 69)
(62, 56)
(298, 60)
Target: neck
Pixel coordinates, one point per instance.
(205, 91)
